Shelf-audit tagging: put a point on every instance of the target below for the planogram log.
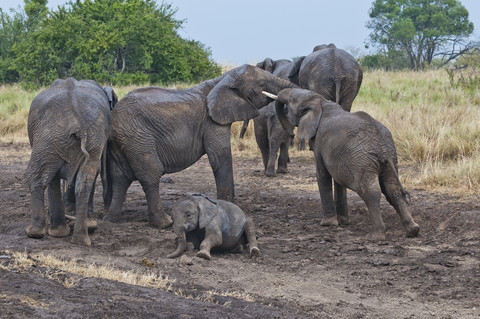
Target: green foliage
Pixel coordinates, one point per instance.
(420, 29)
(110, 41)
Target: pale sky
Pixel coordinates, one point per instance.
(247, 31)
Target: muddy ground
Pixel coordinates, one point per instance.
(305, 270)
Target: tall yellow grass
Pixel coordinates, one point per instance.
(435, 125)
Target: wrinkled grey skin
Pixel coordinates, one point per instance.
(269, 133)
(157, 131)
(354, 150)
(68, 128)
(329, 71)
(211, 223)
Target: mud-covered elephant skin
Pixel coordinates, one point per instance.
(157, 131)
(354, 150)
(211, 224)
(68, 128)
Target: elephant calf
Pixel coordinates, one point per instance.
(355, 150)
(209, 223)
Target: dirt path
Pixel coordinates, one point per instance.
(305, 270)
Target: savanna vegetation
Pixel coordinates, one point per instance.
(433, 116)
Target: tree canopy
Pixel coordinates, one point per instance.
(110, 41)
(421, 30)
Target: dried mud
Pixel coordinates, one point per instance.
(305, 270)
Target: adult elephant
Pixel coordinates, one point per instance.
(157, 131)
(68, 127)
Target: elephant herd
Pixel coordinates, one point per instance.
(79, 130)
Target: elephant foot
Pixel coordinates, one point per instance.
(113, 218)
(59, 231)
(412, 230)
(35, 232)
(254, 252)
(329, 221)
(161, 220)
(204, 254)
(343, 220)
(376, 236)
(81, 240)
(282, 170)
(270, 174)
(91, 224)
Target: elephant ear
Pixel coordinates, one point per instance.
(225, 105)
(266, 65)
(207, 209)
(112, 97)
(292, 75)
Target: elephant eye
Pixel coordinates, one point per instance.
(189, 214)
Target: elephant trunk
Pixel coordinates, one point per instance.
(182, 243)
(282, 117)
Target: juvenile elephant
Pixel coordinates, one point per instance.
(355, 150)
(269, 133)
(157, 131)
(68, 128)
(211, 223)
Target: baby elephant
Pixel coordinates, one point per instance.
(209, 223)
(355, 150)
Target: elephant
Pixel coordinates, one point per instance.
(269, 133)
(354, 150)
(157, 131)
(211, 223)
(329, 71)
(68, 128)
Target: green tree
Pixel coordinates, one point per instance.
(12, 29)
(113, 41)
(422, 29)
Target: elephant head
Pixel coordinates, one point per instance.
(195, 212)
(271, 66)
(238, 95)
(299, 107)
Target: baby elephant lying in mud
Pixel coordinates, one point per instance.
(209, 223)
(355, 150)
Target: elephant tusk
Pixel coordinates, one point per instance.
(270, 95)
(69, 217)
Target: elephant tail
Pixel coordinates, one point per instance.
(338, 87)
(405, 194)
(81, 174)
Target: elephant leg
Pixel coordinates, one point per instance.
(371, 194)
(83, 188)
(251, 238)
(324, 181)
(69, 197)
(156, 214)
(58, 224)
(212, 239)
(262, 141)
(91, 221)
(273, 151)
(37, 226)
(283, 159)
(120, 185)
(395, 196)
(340, 195)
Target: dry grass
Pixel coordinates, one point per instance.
(435, 125)
(55, 268)
(69, 272)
